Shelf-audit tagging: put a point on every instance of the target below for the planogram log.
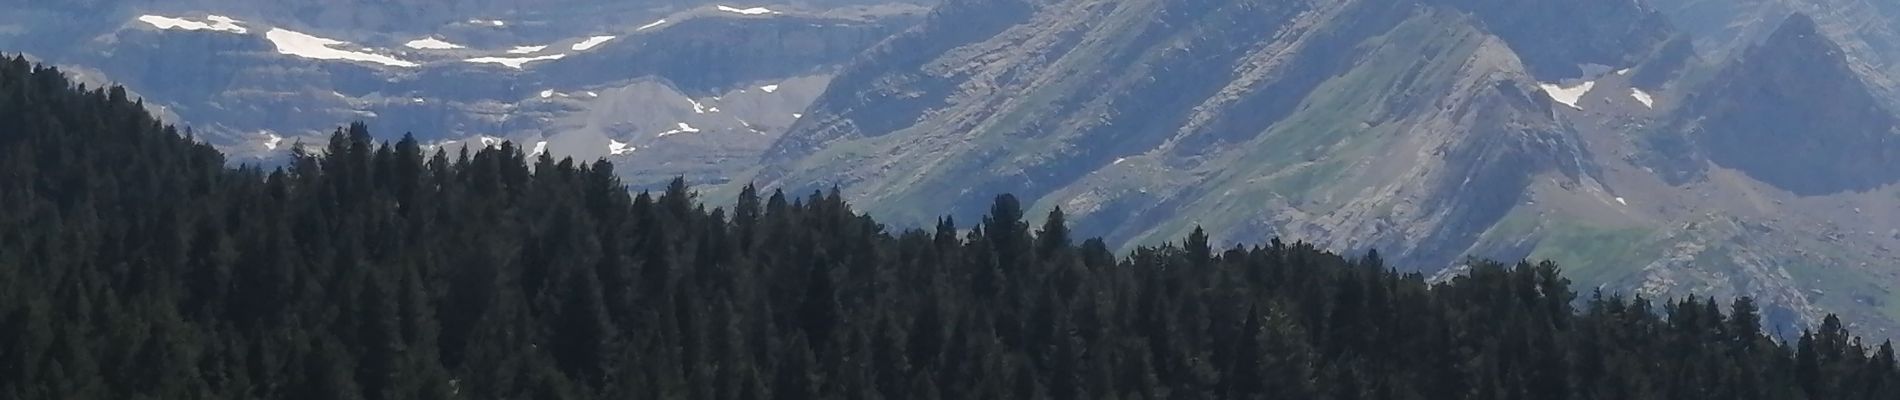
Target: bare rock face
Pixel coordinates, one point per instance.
(1868, 31)
(1791, 113)
(1554, 37)
(1737, 155)
(1146, 118)
(1430, 130)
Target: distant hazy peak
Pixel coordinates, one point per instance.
(1792, 113)
(1798, 32)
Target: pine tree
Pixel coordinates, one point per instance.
(135, 264)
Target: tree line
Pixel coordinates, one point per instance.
(134, 264)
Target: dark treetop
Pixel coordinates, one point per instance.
(135, 265)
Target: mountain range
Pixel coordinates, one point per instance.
(1663, 147)
(673, 89)
(1432, 131)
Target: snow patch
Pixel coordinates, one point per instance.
(697, 108)
(490, 141)
(547, 94)
(307, 46)
(797, 115)
(430, 43)
(584, 45)
(615, 147)
(655, 24)
(272, 140)
(592, 94)
(539, 147)
(489, 22)
(223, 22)
(1625, 71)
(769, 88)
(683, 128)
(1119, 161)
(1643, 97)
(747, 11)
(514, 62)
(1569, 95)
(211, 23)
(526, 49)
(1620, 200)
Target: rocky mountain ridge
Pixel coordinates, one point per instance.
(1429, 130)
(1793, 114)
(1868, 31)
(696, 92)
(1659, 147)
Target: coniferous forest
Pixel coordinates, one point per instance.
(134, 264)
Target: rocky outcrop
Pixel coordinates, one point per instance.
(1792, 113)
(1867, 30)
(893, 82)
(1555, 37)
(1145, 118)
(1669, 63)
(707, 56)
(1430, 130)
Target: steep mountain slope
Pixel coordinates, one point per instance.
(1867, 30)
(135, 264)
(1762, 180)
(1554, 37)
(1216, 112)
(697, 92)
(1429, 130)
(1792, 114)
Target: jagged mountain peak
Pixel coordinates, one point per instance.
(1413, 127)
(1792, 113)
(1799, 36)
(1606, 34)
(1798, 25)
(1145, 118)
(1868, 30)
(1416, 127)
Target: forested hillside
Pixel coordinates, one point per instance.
(135, 265)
